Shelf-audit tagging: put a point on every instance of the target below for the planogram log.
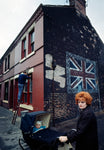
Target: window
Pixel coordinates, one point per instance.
(0, 90)
(23, 49)
(7, 62)
(6, 91)
(27, 93)
(31, 42)
(1, 68)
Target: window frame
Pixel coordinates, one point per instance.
(27, 93)
(6, 91)
(0, 89)
(23, 51)
(31, 41)
(7, 63)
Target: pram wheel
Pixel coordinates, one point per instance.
(42, 147)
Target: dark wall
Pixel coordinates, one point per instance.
(68, 36)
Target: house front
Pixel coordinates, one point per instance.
(63, 53)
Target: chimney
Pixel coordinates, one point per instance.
(80, 5)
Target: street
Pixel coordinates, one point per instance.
(10, 134)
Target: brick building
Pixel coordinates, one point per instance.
(64, 55)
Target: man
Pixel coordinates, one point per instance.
(21, 82)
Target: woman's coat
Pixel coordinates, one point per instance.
(86, 135)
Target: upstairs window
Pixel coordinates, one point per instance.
(1, 68)
(0, 90)
(7, 62)
(23, 52)
(31, 41)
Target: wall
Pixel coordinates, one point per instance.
(74, 45)
(33, 61)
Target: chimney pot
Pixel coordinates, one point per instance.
(80, 5)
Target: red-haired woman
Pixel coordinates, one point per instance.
(86, 133)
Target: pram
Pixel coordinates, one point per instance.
(45, 139)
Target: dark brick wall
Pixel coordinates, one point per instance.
(64, 108)
(67, 31)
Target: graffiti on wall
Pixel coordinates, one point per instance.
(81, 74)
(59, 71)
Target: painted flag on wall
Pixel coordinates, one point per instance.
(81, 73)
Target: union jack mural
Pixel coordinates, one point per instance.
(81, 74)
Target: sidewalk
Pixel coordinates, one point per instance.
(10, 134)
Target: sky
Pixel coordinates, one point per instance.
(14, 14)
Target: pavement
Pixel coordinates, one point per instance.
(10, 134)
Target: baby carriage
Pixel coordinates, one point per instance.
(44, 139)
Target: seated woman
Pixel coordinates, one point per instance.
(38, 126)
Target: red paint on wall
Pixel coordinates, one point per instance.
(15, 93)
(38, 88)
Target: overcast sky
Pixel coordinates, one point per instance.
(14, 14)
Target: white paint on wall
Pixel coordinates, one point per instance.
(58, 72)
(49, 60)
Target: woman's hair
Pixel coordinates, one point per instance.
(83, 96)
